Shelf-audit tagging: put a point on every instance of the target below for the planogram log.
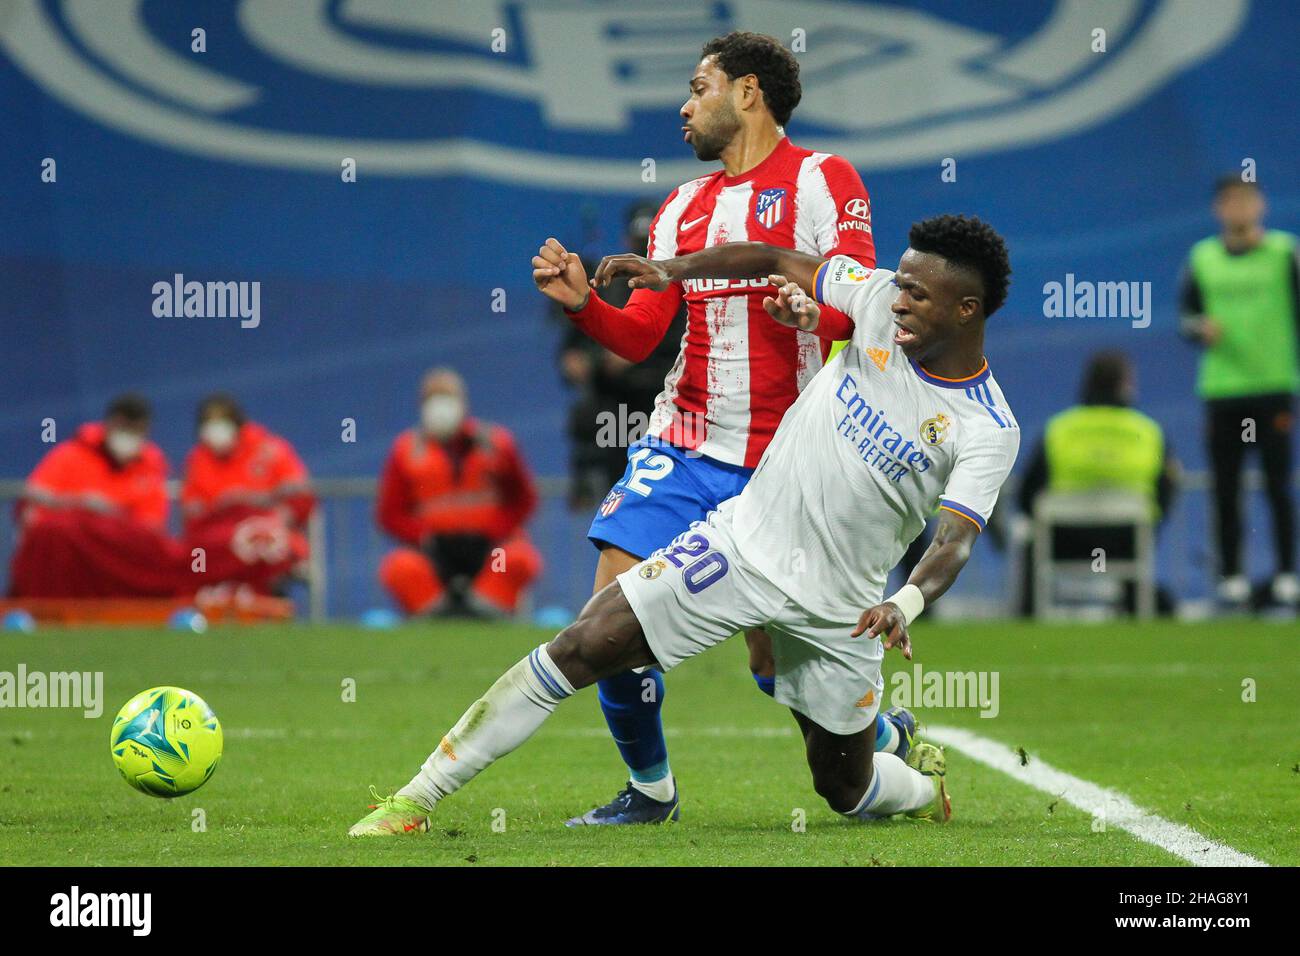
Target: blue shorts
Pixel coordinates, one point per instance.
(662, 491)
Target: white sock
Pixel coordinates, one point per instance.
(661, 789)
(886, 742)
(495, 724)
(895, 788)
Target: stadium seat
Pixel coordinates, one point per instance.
(1093, 509)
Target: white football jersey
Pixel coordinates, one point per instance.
(872, 447)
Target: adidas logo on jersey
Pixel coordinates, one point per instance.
(878, 357)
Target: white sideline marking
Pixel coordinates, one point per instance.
(1115, 808)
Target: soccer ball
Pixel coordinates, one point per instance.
(166, 741)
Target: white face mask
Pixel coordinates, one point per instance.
(124, 446)
(441, 415)
(219, 434)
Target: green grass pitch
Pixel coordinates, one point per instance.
(1155, 711)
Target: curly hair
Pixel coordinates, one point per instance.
(740, 54)
(969, 243)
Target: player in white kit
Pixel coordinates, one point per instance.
(906, 417)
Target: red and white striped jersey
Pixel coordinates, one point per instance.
(738, 370)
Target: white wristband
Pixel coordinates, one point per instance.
(909, 600)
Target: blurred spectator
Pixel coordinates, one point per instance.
(1103, 442)
(92, 518)
(457, 492)
(108, 467)
(1240, 300)
(605, 381)
(246, 498)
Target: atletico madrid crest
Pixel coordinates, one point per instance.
(769, 209)
(611, 503)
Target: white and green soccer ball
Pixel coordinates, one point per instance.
(166, 741)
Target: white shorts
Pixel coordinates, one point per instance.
(699, 591)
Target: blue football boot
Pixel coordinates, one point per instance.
(631, 806)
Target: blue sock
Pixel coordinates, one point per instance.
(634, 722)
(886, 735)
(766, 684)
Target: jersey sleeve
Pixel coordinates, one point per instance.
(664, 225)
(861, 293)
(848, 232)
(633, 331)
(841, 214)
(981, 468)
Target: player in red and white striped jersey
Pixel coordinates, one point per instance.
(737, 371)
(736, 375)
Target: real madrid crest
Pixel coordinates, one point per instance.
(652, 570)
(935, 430)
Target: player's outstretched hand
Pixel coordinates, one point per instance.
(885, 619)
(642, 273)
(791, 306)
(560, 276)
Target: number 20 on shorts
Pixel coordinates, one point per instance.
(707, 568)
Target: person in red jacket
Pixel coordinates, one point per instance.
(93, 515)
(456, 491)
(246, 498)
(108, 467)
